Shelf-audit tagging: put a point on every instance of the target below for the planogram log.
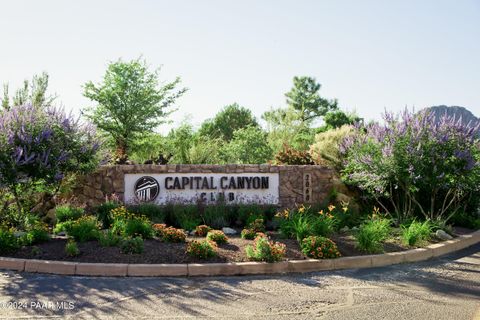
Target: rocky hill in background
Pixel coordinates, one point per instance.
(467, 116)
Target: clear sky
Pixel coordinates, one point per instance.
(371, 55)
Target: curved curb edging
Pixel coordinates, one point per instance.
(237, 268)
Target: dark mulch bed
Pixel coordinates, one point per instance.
(156, 251)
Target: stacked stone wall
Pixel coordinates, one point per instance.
(294, 180)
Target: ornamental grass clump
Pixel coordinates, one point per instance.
(303, 222)
(416, 233)
(265, 250)
(132, 245)
(71, 249)
(217, 236)
(318, 247)
(415, 164)
(372, 233)
(202, 249)
(108, 238)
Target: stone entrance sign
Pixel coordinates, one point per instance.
(260, 188)
(284, 186)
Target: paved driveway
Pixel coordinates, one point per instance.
(446, 288)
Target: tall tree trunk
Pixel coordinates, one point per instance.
(121, 153)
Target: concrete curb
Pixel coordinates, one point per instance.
(238, 268)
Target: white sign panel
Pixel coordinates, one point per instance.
(163, 188)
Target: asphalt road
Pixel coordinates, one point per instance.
(443, 288)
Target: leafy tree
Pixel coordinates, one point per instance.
(149, 147)
(33, 92)
(131, 102)
(248, 146)
(229, 119)
(285, 128)
(179, 142)
(304, 98)
(338, 118)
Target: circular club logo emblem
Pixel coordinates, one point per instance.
(146, 189)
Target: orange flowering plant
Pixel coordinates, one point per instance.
(202, 230)
(217, 236)
(172, 234)
(318, 247)
(265, 250)
(202, 249)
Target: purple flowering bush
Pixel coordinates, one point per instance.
(39, 147)
(413, 164)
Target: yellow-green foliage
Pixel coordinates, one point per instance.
(324, 150)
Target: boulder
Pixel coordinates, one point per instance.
(442, 235)
(230, 231)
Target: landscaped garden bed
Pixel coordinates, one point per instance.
(134, 238)
(157, 251)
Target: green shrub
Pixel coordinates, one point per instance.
(217, 236)
(202, 230)
(84, 229)
(325, 149)
(132, 245)
(71, 249)
(248, 234)
(8, 241)
(37, 235)
(466, 220)
(152, 211)
(127, 224)
(103, 213)
(138, 227)
(62, 227)
(318, 247)
(372, 233)
(172, 234)
(186, 216)
(416, 232)
(68, 213)
(108, 239)
(202, 249)
(265, 250)
(247, 213)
